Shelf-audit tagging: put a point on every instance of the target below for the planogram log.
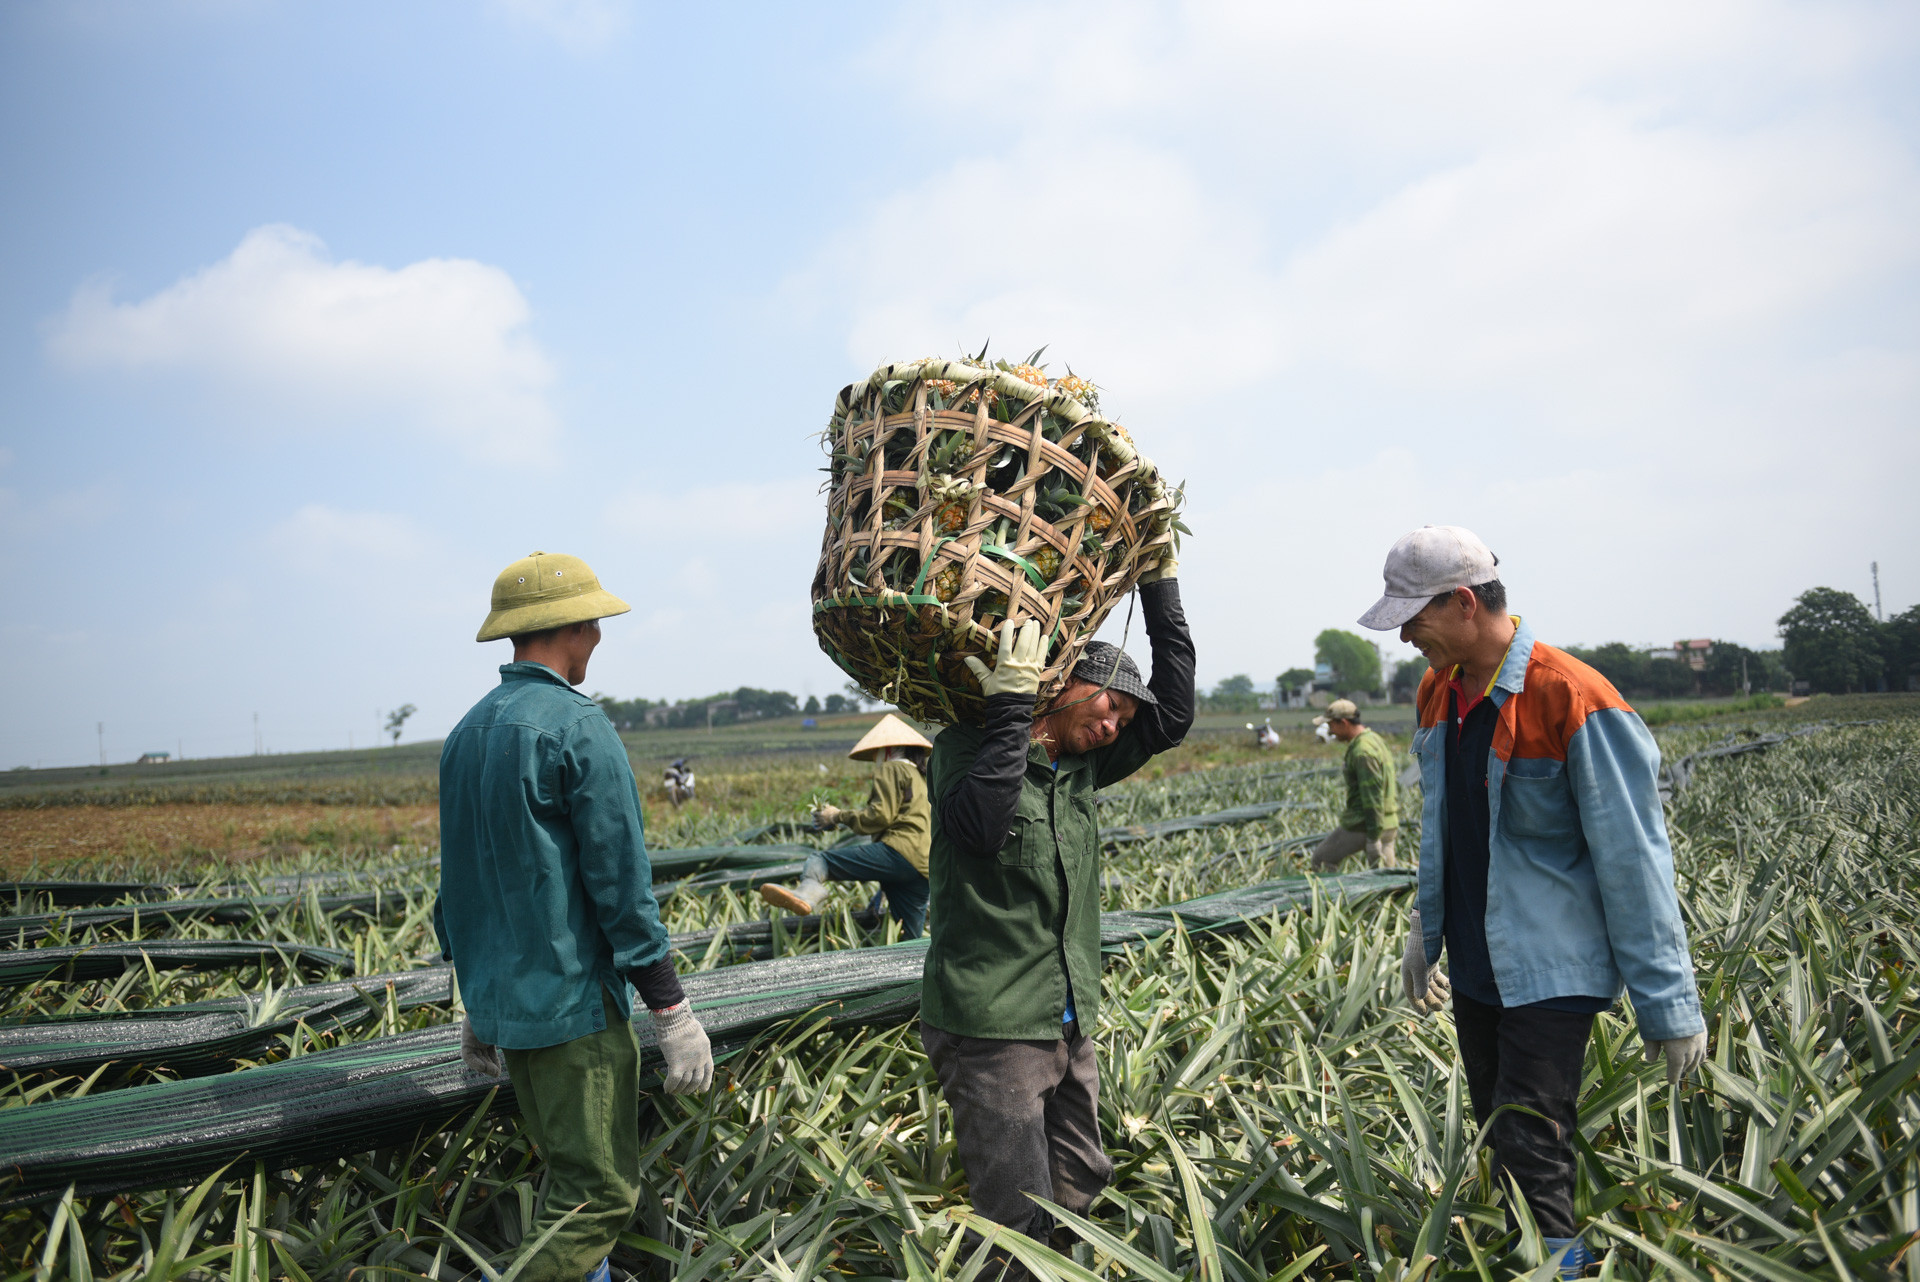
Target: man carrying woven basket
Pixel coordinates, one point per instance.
(898, 819)
(546, 911)
(1545, 870)
(1012, 986)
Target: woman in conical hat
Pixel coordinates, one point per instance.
(897, 818)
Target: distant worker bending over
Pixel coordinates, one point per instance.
(546, 911)
(1545, 871)
(898, 819)
(1372, 817)
(1012, 988)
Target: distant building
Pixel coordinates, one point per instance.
(154, 759)
(1695, 652)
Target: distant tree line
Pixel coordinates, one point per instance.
(727, 708)
(1830, 641)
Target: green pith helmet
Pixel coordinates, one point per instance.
(546, 590)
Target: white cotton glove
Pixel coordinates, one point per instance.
(827, 816)
(1017, 670)
(1165, 568)
(1684, 1055)
(688, 1053)
(1427, 988)
(476, 1054)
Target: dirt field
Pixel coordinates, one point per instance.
(108, 835)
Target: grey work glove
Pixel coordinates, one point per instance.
(688, 1053)
(828, 816)
(476, 1054)
(1017, 670)
(1684, 1055)
(1427, 988)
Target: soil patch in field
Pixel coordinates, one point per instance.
(69, 840)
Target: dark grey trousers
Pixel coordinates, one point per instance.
(1026, 1119)
(1531, 1057)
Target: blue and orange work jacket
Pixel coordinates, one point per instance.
(1580, 891)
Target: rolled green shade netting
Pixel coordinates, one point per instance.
(24, 929)
(82, 894)
(390, 1089)
(1250, 813)
(197, 1038)
(696, 870)
(22, 966)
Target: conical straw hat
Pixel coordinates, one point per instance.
(892, 732)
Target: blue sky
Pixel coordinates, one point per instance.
(316, 316)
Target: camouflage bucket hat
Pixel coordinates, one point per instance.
(546, 590)
(1110, 666)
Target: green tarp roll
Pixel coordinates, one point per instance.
(1129, 833)
(22, 966)
(387, 1091)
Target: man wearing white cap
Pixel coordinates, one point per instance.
(897, 817)
(1545, 870)
(1372, 817)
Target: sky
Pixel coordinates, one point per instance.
(316, 316)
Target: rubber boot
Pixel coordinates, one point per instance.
(807, 896)
(1576, 1261)
(802, 899)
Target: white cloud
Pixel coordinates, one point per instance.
(580, 26)
(717, 577)
(1604, 281)
(288, 337)
(370, 546)
(1121, 253)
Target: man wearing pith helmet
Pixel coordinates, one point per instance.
(546, 911)
(1545, 871)
(898, 819)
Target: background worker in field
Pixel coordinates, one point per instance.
(1012, 987)
(1372, 817)
(546, 911)
(1545, 870)
(898, 819)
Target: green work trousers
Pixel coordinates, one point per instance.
(580, 1101)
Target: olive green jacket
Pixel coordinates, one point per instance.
(1014, 884)
(897, 813)
(1373, 803)
(1018, 933)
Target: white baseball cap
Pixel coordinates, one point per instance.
(1431, 560)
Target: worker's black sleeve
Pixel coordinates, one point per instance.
(658, 984)
(1165, 725)
(976, 814)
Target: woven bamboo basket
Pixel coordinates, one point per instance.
(962, 496)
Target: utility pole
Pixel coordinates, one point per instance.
(100, 729)
(256, 734)
(1876, 593)
(1746, 686)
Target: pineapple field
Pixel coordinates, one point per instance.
(1275, 1109)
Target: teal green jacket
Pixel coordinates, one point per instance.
(546, 894)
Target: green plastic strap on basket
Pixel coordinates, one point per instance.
(1008, 554)
(899, 598)
(926, 563)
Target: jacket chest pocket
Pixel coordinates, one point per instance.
(1029, 845)
(1536, 800)
(1429, 743)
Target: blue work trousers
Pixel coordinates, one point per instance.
(906, 887)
